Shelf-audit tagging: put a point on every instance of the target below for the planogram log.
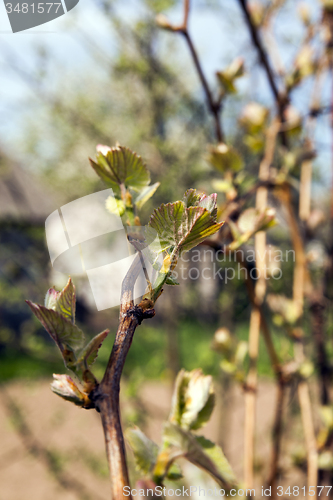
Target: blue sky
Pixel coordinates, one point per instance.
(219, 35)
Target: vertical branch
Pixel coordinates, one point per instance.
(300, 282)
(277, 434)
(255, 321)
(106, 395)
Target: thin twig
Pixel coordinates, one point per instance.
(213, 106)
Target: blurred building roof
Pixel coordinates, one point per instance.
(23, 198)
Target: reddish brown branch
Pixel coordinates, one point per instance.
(106, 395)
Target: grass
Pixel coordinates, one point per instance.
(148, 358)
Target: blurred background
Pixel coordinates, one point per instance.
(107, 72)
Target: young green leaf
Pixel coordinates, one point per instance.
(171, 280)
(217, 456)
(89, 353)
(225, 158)
(120, 165)
(194, 199)
(144, 449)
(144, 195)
(193, 399)
(197, 450)
(62, 330)
(228, 76)
(65, 387)
(183, 228)
(62, 302)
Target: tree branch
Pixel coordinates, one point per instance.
(106, 395)
(281, 99)
(214, 106)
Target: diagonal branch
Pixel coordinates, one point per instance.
(281, 99)
(214, 106)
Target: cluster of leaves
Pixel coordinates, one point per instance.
(57, 315)
(179, 226)
(124, 171)
(192, 405)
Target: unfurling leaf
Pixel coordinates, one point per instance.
(193, 399)
(65, 387)
(217, 456)
(197, 450)
(89, 353)
(145, 195)
(225, 158)
(182, 228)
(194, 199)
(120, 165)
(228, 76)
(63, 331)
(62, 302)
(253, 220)
(144, 449)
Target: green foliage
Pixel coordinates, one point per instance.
(197, 450)
(119, 165)
(88, 355)
(58, 319)
(192, 405)
(66, 335)
(144, 449)
(184, 224)
(228, 76)
(145, 195)
(193, 400)
(180, 226)
(225, 158)
(65, 387)
(124, 171)
(250, 222)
